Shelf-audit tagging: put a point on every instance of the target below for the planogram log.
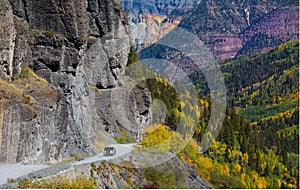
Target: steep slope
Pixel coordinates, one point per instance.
(259, 139)
(252, 80)
(262, 85)
(61, 69)
(269, 97)
(233, 28)
(223, 27)
(236, 28)
(276, 27)
(255, 150)
(151, 20)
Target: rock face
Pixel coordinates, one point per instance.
(80, 47)
(7, 37)
(148, 28)
(151, 20)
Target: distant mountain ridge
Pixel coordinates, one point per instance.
(232, 28)
(158, 7)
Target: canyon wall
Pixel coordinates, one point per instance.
(61, 66)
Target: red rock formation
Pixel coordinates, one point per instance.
(232, 29)
(276, 27)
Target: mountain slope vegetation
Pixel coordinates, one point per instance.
(259, 141)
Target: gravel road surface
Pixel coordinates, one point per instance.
(17, 170)
(14, 171)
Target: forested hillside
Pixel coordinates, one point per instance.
(258, 145)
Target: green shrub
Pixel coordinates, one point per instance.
(226, 182)
(11, 180)
(25, 73)
(125, 138)
(50, 33)
(26, 99)
(158, 179)
(132, 56)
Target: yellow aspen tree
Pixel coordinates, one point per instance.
(237, 168)
(226, 169)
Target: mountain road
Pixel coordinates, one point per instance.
(13, 171)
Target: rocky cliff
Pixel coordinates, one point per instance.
(151, 20)
(148, 28)
(61, 68)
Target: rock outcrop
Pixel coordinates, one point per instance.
(78, 49)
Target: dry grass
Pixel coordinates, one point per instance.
(61, 182)
(10, 89)
(29, 80)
